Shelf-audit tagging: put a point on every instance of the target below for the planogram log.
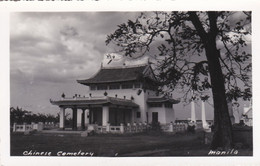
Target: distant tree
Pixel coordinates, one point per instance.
(18, 115)
(68, 120)
(197, 51)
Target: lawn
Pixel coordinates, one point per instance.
(141, 144)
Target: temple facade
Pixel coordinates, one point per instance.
(118, 96)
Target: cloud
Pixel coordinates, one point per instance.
(50, 51)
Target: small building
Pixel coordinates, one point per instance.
(116, 96)
(247, 116)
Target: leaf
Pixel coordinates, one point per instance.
(162, 36)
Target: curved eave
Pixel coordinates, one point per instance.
(88, 83)
(109, 75)
(77, 102)
(112, 101)
(158, 100)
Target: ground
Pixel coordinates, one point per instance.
(141, 144)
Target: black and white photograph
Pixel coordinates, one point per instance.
(131, 84)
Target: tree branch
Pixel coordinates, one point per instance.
(197, 24)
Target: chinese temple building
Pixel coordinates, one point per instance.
(118, 96)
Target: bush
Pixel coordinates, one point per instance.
(191, 129)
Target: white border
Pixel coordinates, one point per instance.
(119, 5)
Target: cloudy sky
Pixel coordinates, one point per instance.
(50, 51)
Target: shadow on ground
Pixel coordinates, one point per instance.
(109, 145)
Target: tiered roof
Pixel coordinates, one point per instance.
(85, 102)
(116, 75)
(163, 99)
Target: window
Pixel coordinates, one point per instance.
(127, 86)
(155, 104)
(102, 87)
(168, 105)
(155, 117)
(138, 114)
(137, 85)
(92, 87)
(114, 86)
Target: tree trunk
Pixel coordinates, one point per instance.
(222, 137)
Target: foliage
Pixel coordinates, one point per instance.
(180, 48)
(19, 116)
(197, 51)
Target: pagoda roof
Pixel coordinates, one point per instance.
(116, 75)
(90, 101)
(163, 99)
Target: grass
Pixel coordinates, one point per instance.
(141, 144)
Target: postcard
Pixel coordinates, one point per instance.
(129, 82)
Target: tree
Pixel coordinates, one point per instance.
(197, 51)
(18, 115)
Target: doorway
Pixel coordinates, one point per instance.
(154, 117)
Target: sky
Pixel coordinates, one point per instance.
(50, 51)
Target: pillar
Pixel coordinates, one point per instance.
(62, 118)
(105, 115)
(121, 127)
(74, 118)
(203, 113)
(87, 116)
(24, 127)
(14, 127)
(108, 127)
(171, 127)
(193, 116)
(83, 119)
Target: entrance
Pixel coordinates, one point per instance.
(95, 116)
(118, 116)
(154, 117)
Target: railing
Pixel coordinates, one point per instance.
(50, 125)
(139, 127)
(115, 129)
(83, 98)
(27, 127)
(101, 129)
(118, 129)
(174, 127)
(135, 128)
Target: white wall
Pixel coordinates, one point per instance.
(170, 115)
(165, 115)
(161, 114)
(138, 99)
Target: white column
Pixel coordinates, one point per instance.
(62, 117)
(122, 128)
(193, 116)
(105, 115)
(108, 127)
(203, 113)
(14, 127)
(171, 127)
(86, 116)
(79, 116)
